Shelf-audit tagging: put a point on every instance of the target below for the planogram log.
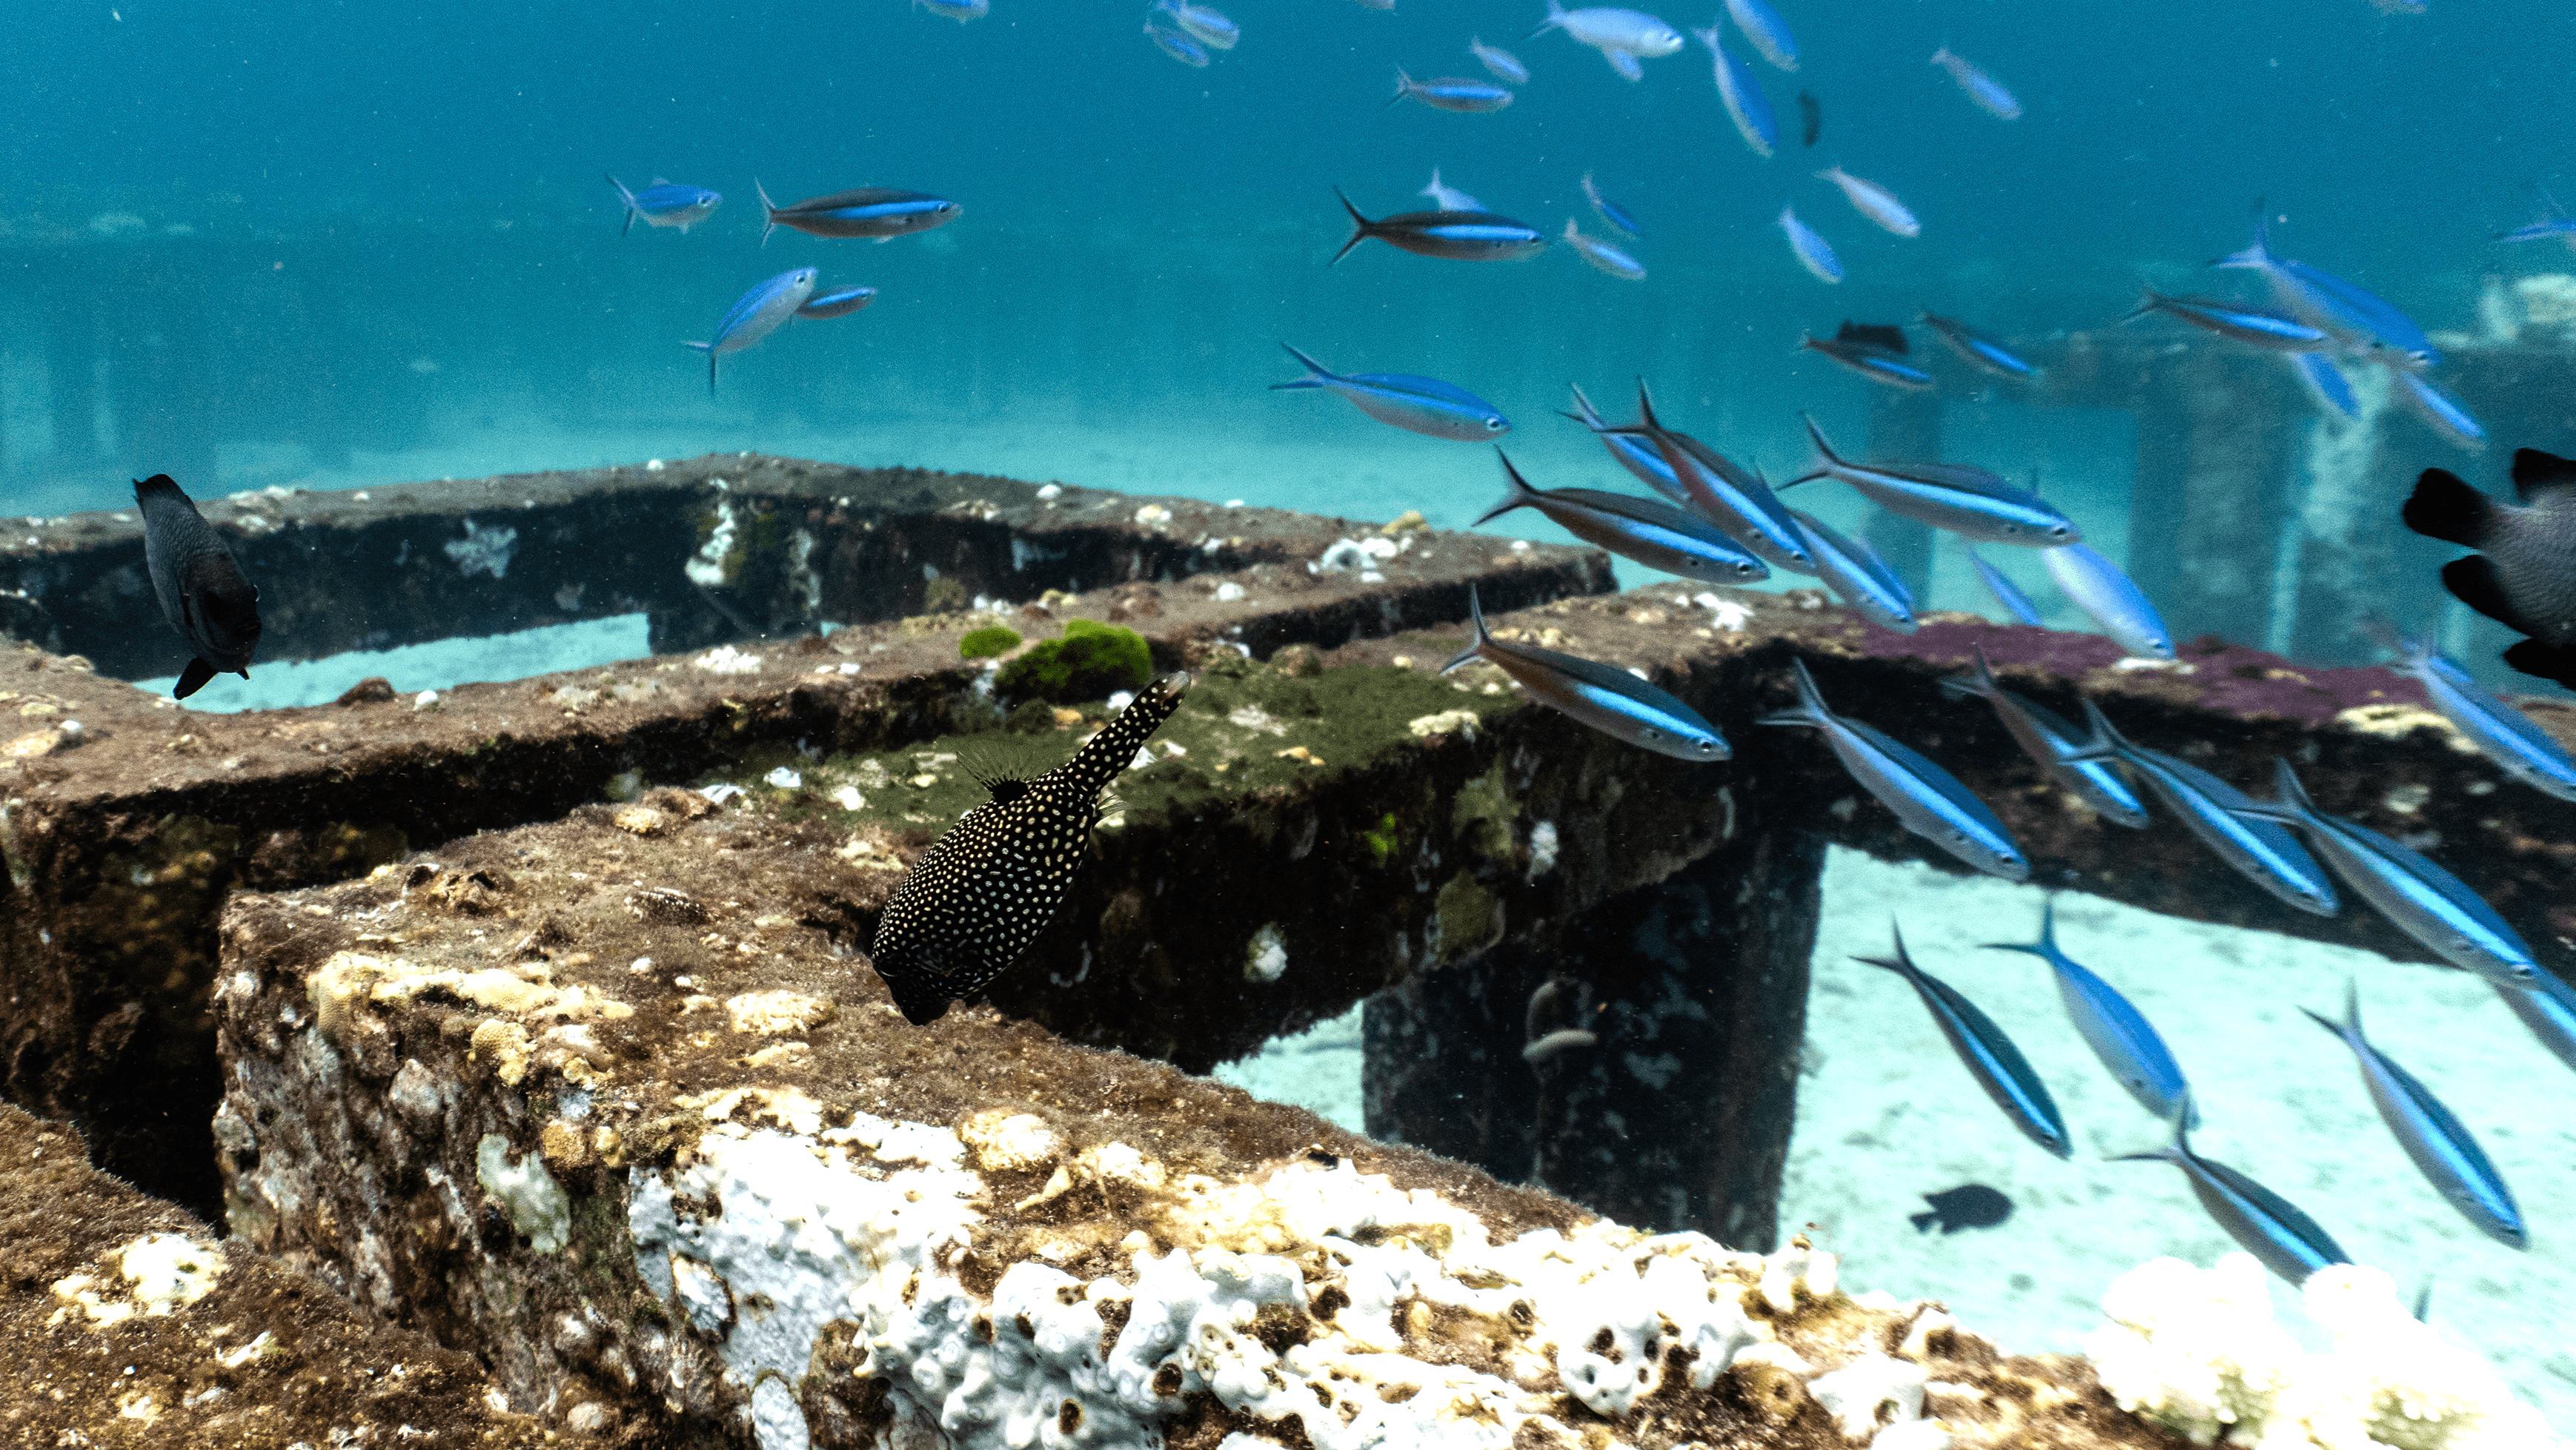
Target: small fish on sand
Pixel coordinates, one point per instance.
(1985, 90)
(666, 204)
(2524, 573)
(1603, 257)
(2442, 1147)
(1457, 236)
(1612, 701)
(1970, 1205)
(1451, 93)
(1421, 405)
(975, 900)
(755, 315)
(1499, 63)
(876, 212)
(2266, 1225)
(1926, 799)
(198, 583)
(1989, 1056)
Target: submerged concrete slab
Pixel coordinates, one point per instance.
(125, 1324)
(620, 1112)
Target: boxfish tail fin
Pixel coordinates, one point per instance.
(1521, 495)
(2443, 506)
(1483, 639)
(1361, 229)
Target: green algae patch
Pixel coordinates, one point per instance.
(1470, 919)
(1090, 662)
(1382, 841)
(991, 640)
(1483, 814)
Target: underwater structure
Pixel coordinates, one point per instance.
(533, 1017)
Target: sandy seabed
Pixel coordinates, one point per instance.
(1886, 1114)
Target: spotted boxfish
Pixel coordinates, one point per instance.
(982, 892)
(200, 587)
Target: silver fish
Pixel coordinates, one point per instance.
(2258, 849)
(1604, 257)
(2443, 1149)
(666, 204)
(829, 302)
(1873, 201)
(1649, 531)
(1451, 93)
(1448, 198)
(2053, 745)
(1205, 24)
(2007, 593)
(2266, 1225)
(2548, 1008)
(1927, 800)
(2418, 897)
(2127, 1044)
(755, 315)
(1176, 45)
(2435, 407)
(1501, 64)
(1742, 94)
(1989, 1055)
(1813, 253)
(1985, 90)
(1769, 33)
(1966, 500)
(1611, 213)
(2247, 325)
(1611, 30)
(2504, 734)
(2326, 301)
(1874, 363)
(1632, 450)
(1854, 571)
(1416, 404)
(1612, 701)
(2100, 589)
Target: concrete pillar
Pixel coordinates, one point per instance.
(1677, 1115)
(68, 290)
(2211, 493)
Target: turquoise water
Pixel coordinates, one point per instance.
(322, 245)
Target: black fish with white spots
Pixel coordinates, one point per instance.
(199, 584)
(2524, 572)
(983, 892)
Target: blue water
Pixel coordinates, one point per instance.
(325, 245)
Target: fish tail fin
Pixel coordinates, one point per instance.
(626, 196)
(1317, 374)
(1583, 406)
(1923, 1221)
(2256, 254)
(1810, 709)
(2445, 507)
(2104, 739)
(1940, 55)
(2385, 635)
(2286, 785)
(768, 211)
(1555, 18)
(1403, 85)
(1361, 228)
(194, 678)
(1521, 495)
(2146, 304)
(1646, 406)
(1476, 647)
(159, 485)
(1824, 450)
(1569, 229)
(2048, 925)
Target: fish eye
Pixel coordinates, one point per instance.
(1493, 423)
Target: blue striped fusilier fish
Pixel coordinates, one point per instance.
(2548, 1008)
(1984, 1050)
(829, 302)
(1205, 24)
(1854, 571)
(2112, 598)
(1967, 500)
(1985, 90)
(1499, 63)
(2070, 759)
(1604, 256)
(1648, 530)
(1746, 106)
(1813, 254)
(2502, 733)
(2263, 1223)
(2325, 382)
(755, 315)
(1927, 800)
(1451, 93)
(1769, 33)
(876, 212)
(1725, 493)
(1611, 213)
(2442, 1147)
(2247, 325)
(1868, 359)
(1612, 701)
(1426, 406)
(2119, 1034)
(2328, 302)
(666, 204)
(1632, 450)
(2418, 897)
(1176, 45)
(1873, 201)
(960, 11)
(2557, 224)
(2437, 408)
(1977, 349)
(2216, 812)
(1448, 198)
(2007, 593)
(1457, 236)
(1618, 34)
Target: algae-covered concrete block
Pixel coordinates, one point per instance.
(638, 1130)
(124, 1322)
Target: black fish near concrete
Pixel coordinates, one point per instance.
(2524, 573)
(199, 584)
(1970, 1205)
(983, 891)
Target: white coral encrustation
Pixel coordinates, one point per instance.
(2197, 1351)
